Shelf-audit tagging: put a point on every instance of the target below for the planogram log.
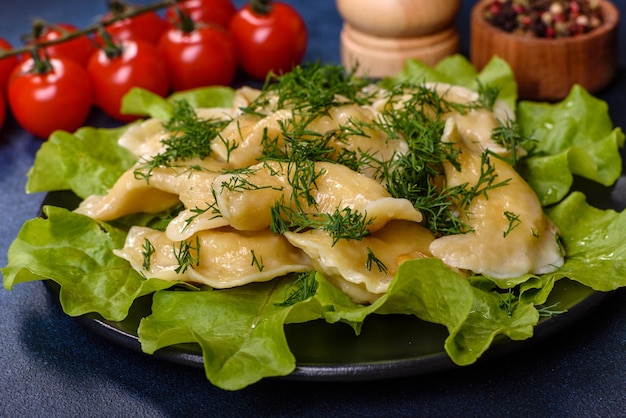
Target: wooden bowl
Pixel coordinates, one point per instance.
(546, 69)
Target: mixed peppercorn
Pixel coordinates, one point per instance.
(545, 18)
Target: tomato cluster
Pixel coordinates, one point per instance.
(196, 43)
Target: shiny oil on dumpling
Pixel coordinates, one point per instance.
(226, 258)
(349, 265)
(511, 236)
(246, 199)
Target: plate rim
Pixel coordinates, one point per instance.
(366, 371)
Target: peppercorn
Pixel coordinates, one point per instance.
(544, 18)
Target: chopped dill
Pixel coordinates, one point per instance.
(372, 261)
(310, 89)
(508, 134)
(257, 261)
(487, 95)
(550, 310)
(343, 223)
(211, 208)
(187, 255)
(147, 250)
(300, 289)
(508, 302)
(190, 137)
(514, 222)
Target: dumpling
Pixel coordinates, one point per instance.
(241, 142)
(129, 195)
(351, 128)
(144, 139)
(476, 125)
(357, 132)
(348, 263)
(225, 258)
(189, 182)
(245, 199)
(511, 236)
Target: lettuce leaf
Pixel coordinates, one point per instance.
(594, 241)
(458, 70)
(576, 137)
(87, 162)
(90, 160)
(139, 101)
(240, 330)
(76, 252)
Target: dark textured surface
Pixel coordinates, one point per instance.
(51, 366)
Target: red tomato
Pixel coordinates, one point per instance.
(135, 64)
(146, 26)
(79, 49)
(268, 40)
(6, 65)
(55, 97)
(204, 56)
(218, 12)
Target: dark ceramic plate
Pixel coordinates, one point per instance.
(389, 346)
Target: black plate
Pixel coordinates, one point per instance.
(389, 345)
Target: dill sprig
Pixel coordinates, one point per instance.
(197, 211)
(372, 261)
(509, 135)
(342, 223)
(187, 255)
(310, 89)
(514, 222)
(300, 289)
(257, 261)
(487, 95)
(190, 137)
(147, 250)
(418, 174)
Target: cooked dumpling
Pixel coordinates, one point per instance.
(511, 236)
(241, 142)
(144, 139)
(355, 131)
(245, 199)
(476, 125)
(350, 128)
(225, 258)
(189, 182)
(350, 265)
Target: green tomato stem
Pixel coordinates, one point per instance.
(261, 7)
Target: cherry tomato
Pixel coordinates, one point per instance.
(269, 36)
(6, 65)
(198, 55)
(146, 26)
(218, 12)
(79, 49)
(45, 96)
(114, 70)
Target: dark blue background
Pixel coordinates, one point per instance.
(51, 366)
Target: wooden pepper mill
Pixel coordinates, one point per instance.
(380, 35)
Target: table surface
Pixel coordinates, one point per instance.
(51, 366)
